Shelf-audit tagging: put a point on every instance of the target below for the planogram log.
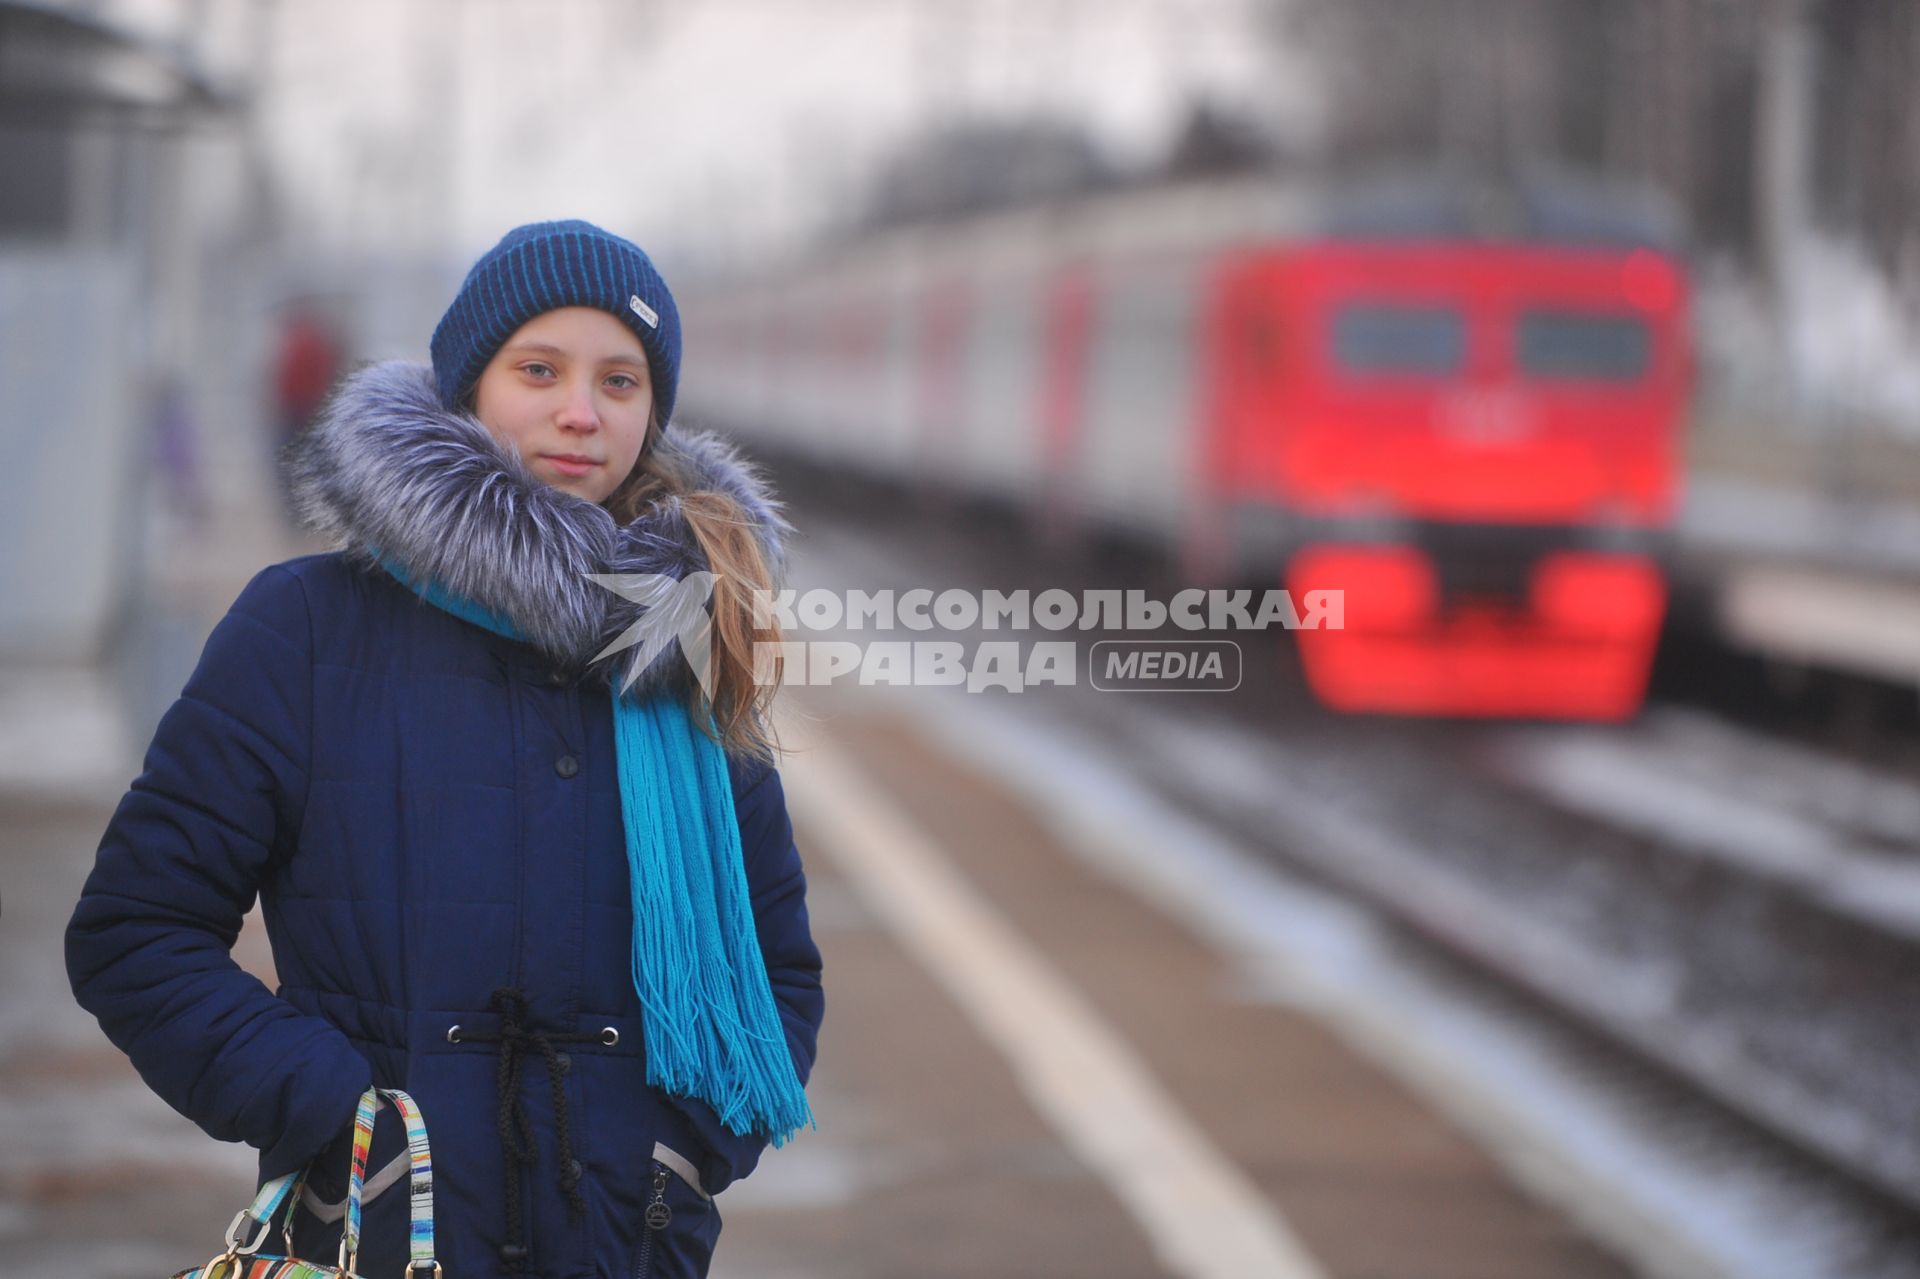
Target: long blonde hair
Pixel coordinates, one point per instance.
(742, 709)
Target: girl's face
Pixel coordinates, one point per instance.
(570, 390)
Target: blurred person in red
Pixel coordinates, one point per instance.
(309, 360)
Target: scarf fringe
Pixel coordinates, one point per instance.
(713, 1029)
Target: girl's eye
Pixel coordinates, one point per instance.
(628, 382)
(538, 369)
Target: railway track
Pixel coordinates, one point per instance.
(1736, 915)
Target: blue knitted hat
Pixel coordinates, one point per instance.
(541, 267)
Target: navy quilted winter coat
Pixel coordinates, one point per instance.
(429, 815)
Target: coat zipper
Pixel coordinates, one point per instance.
(659, 1217)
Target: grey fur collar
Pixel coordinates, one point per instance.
(388, 466)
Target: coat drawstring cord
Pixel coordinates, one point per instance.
(516, 1130)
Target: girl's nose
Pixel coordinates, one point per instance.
(578, 411)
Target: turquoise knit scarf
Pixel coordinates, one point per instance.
(712, 1028)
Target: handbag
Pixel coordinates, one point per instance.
(253, 1226)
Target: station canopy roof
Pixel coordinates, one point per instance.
(59, 63)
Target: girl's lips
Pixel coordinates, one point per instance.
(567, 467)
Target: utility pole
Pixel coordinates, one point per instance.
(258, 217)
(1781, 140)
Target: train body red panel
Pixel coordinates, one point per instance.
(1477, 443)
(1475, 438)
(1454, 382)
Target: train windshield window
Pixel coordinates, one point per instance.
(1584, 345)
(1387, 340)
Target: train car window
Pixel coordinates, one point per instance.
(1584, 345)
(1140, 391)
(1377, 339)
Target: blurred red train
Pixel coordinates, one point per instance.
(1461, 407)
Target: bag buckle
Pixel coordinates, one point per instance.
(238, 1228)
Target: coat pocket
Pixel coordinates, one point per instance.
(680, 1224)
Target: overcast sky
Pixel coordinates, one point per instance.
(691, 122)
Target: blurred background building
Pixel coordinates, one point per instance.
(222, 158)
(101, 234)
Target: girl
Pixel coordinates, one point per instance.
(506, 793)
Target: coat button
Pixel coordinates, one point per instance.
(512, 1252)
(566, 766)
(562, 1062)
(558, 678)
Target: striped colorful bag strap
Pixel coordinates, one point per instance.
(420, 1182)
(252, 1226)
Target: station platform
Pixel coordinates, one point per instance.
(1784, 573)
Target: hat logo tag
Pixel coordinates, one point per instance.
(644, 311)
